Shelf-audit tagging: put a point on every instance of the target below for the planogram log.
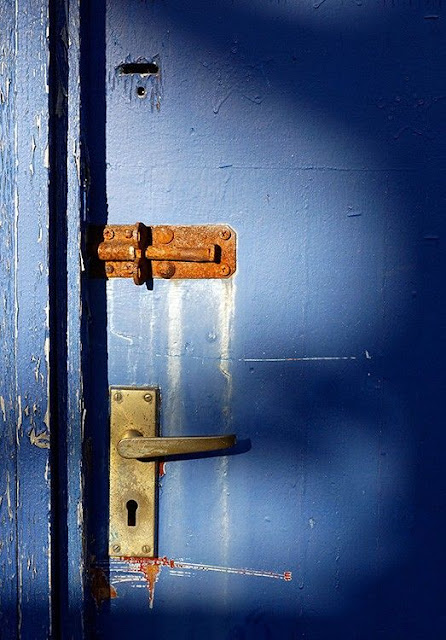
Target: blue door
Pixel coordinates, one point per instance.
(316, 132)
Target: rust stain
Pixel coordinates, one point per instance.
(101, 589)
(150, 569)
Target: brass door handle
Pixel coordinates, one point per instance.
(135, 445)
(134, 473)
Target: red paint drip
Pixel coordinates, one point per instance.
(150, 569)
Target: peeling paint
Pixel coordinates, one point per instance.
(8, 496)
(19, 429)
(46, 351)
(101, 589)
(40, 440)
(3, 408)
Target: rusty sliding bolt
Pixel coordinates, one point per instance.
(141, 252)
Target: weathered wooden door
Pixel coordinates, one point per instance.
(315, 130)
(306, 128)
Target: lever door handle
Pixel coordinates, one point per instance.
(134, 448)
(135, 445)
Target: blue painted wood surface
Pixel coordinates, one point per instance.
(316, 131)
(8, 416)
(24, 213)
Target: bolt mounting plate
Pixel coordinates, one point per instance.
(162, 251)
(132, 408)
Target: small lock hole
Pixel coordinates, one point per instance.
(132, 506)
(139, 68)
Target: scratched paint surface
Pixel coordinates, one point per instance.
(24, 331)
(316, 131)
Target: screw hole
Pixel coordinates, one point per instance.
(140, 91)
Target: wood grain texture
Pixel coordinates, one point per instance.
(32, 318)
(72, 623)
(8, 406)
(25, 454)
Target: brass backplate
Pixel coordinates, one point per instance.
(132, 482)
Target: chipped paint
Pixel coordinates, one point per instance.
(8, 496)
(100, 587)
(3, 408)
(40, 440)
(46, 350)
(19, 429)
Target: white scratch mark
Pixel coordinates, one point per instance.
(304, 359)
(367, 355)
(309, 359)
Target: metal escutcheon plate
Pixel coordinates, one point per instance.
(132, 482)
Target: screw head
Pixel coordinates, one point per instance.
(116, 548)
(118, 396)
(225, 234)
(128, 233)
(146, 548)
(163, 235)
(109, 268)
(225, 270)
(148, 397)
(166, 269)
(109, 234)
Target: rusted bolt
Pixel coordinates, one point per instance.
(128, 233)
(225, 234)
(148, 397)
(166, 269)
(109, 234)
(146, 548)
(225, 270)
(118, 396)
(164, 235)
(129, 266)
(116, 548)
(109, 268)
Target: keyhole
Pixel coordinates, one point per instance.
(132, 506)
